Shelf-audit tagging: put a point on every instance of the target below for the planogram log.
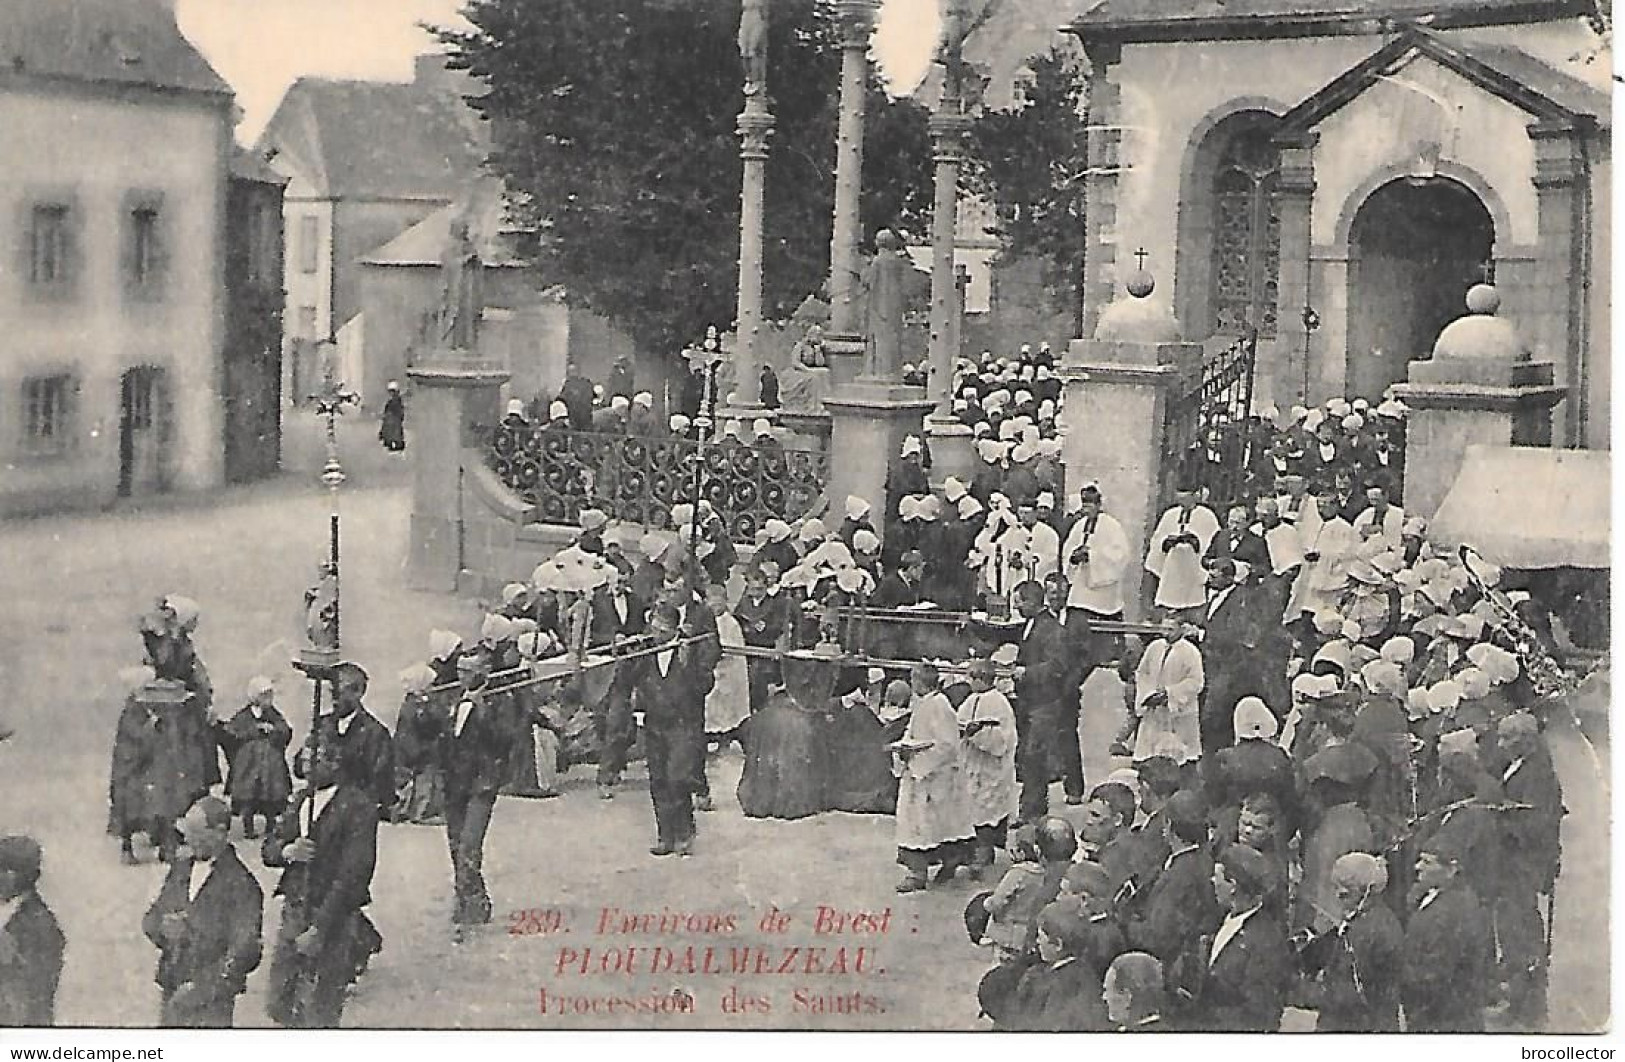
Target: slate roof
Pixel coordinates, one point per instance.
(251, 166)
(1210, 19)
(377, 140)
(121, 42)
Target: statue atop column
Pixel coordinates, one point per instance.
(753, 45)
(886, 292)
(462, 296)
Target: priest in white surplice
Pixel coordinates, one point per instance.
(1096, 555)
(1167, 691)
(933, 806)
(1174, 554)
(987, 761)
(1328, 546)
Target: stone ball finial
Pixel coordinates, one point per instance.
(1479, 334)
(1141, 284)
(1483, 299)
(888, 241)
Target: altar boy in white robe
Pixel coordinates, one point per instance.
(1328, 546)
(1167, 690)
(987, 762)
(1174, 553)
(933, 808)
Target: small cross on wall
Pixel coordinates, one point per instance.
(1139, 258)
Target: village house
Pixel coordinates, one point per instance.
(116, 301)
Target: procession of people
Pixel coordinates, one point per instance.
(1329, 787)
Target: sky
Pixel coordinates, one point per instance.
(262, 46)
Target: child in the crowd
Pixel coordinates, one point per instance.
(1014, 906)
(259, 783)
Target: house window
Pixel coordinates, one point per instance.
(1246, 235)
(49, 244)
(306, 323)
(310, 235)
(46, 413)
(263, 235)
(145, 260)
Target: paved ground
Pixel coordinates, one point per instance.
(75, 586)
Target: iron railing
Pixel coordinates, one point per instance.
(1208, 438)
(638, 479)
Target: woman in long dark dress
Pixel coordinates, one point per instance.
(786, 760)
(861, 779)
(392, 423)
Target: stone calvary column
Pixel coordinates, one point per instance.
(843, 344)
(950, 440)
(755, 127)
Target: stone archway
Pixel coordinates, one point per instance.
(1415, 246)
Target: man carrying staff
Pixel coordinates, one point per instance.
(475, 745)
(205, 923)
(328, 841)
(669, 694)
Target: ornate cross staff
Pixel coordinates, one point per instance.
(320, 658)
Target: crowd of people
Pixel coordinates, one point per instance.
(1331, 788)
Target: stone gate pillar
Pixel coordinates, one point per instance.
(1117, 388)
(453, 397)
(1480, 386)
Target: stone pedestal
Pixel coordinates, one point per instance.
(455, 397)
(1457, 402)
(869, 420)
(1116, 393)
(953, 450)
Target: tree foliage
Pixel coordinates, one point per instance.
(614, 123)
(1029, 161)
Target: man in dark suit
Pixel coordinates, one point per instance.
(1180, 906)
(363, 743)
(31, 943)
(696, 620)
(904, 587)
(1532, 853)
(617, 614)
(1249, 965)
(327, 882)
(475, 748)
(763, 617)
(206, 924)
(1043, 668)
(1237, 541)
(668, 694)
(1234, 629)
(1449, 954)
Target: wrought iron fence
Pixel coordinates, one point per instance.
(1208, 429)
(639, 479)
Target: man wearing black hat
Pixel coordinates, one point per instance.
(1448, 952)
(31, 943)
(1181, 906)
(1249, 965)
(327, 882)
(670, 695)
(475, 748)
(206, 924)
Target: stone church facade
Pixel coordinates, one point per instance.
(1339, 180)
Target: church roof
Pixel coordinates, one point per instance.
(376, 140)
(1508, 73)
(112, 42)
(1160, 20)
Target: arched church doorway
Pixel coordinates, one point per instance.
(1415, 247)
